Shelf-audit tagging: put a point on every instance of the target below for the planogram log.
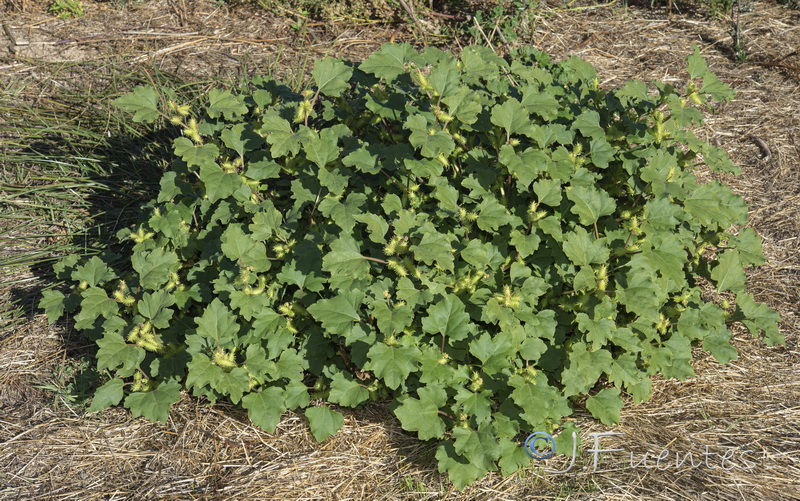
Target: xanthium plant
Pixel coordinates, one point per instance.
(485, 241)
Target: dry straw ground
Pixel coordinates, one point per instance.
(749, 408)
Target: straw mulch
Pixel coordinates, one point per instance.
(748, 409)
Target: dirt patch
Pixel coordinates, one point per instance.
(750, 406)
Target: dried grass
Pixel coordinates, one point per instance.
(752, 404)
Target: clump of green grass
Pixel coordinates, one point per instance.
(66, 9)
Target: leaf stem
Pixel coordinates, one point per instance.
(445, 414)
(375, 259)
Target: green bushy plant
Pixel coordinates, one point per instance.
(487, 242)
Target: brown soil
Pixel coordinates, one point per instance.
(750, 407)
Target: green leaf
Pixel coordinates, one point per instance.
(142, 102)
(331, 76)
(408, 292)
(334, 179)
(324, 422)
(108, 395)
(588, 124)
(116, 355)
(218, 324)
(338, 313)
(241, 138)
(422, 415)
(494, 352)
(547, 135)
(543, 104)
(195, 155)
(218, 183)
(222, 103)
(425, 168)
(248, 304)
(584, 369)
(363, 160)
(548, 192)
(697, 65)
(264, 408)
(305, 278)
(598, 332)
(297, 395)
(95, 303)
(376, 226)
(445, 77)
(462, 105)
(673, 358)
(748, 244)
(716, 89)
(601, 152)
(668, 256)
(492, 215)
(291, 365)
(94, 272)
(52, 303)
(632, 93)
(478, 404)
(512, 457)
(480, 447)
(343, 214)
(606, 405)
(392, 364)
(154, 405)
(202, 373)
(447, 317)
(585, 71)
(718, 344)
(323, 150)
(526, 245)
(280, 136)
(640, 294)
(584, 250)
(715, 206)
(389, 61)
(760, 318)
(155, 306)
(429, 141)
(434, 247)
(480, 62)
(345, 390)
(460, 470)
(663, 214)
(512, 116)
(446, 194)
(525, 166)
(154, 267)
(266, 223)
(590, 204)
(233, 384)
(345, 259)
(540, 402)
(392, 320)
(624, 371)
(257, 365)
(728, 273)
(240, 248)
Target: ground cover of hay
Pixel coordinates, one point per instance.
(49, 451)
